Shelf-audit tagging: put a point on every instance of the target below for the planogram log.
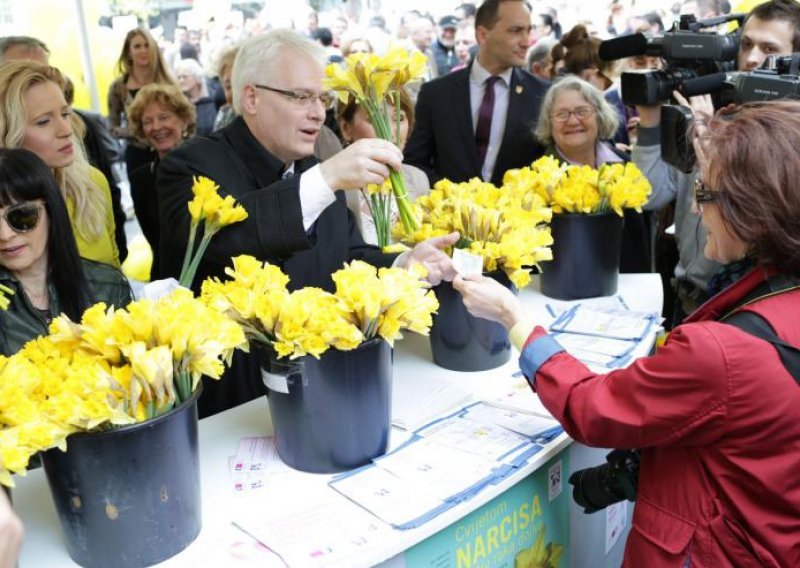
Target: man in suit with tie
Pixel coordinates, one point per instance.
(298, 217)
(478, 122)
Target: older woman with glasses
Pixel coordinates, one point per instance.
(716, 411)
(576, 125)
(39, 259)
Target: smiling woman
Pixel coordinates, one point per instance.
(35, 115)
(39, 258)
(163, 117)
(575, 124)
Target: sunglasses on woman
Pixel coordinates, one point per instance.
(23, 217)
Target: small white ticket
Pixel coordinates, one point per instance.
(467, 263)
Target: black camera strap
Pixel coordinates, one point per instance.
(756, 325)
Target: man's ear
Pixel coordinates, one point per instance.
(345, 127)
(481, 33)
(249, 99)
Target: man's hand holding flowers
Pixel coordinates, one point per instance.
(364, 162)
(429, 253)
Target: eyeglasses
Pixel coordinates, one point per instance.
(24, 217)
(302, 98)
(702, 194)
(580, 113)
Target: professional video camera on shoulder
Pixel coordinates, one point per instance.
(777, 78)
(687, 51)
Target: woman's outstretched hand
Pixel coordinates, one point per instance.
(488, 299)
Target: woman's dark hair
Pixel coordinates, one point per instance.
(753, 162)
(25, 177)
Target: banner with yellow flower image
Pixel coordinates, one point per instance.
(372, 79)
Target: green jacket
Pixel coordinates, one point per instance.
(21, 322)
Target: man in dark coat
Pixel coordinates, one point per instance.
(298, 219)
(449, 139)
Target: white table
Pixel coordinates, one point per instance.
(219, 435)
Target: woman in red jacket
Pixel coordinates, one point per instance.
(715, 412)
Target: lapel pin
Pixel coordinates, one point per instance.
(519, 89)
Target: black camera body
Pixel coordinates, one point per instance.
(688, 52)
(778, 78)
(596, 488)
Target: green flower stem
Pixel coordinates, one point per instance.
(188, 277)
(184, 387)
(380, 123)
(187, 257)
(381, 215)
(407, 218)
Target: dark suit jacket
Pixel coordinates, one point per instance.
(273, 231)
(443, 141)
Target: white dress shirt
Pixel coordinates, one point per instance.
(477, 80)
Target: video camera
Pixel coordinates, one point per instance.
(777, 78)
(688, 53)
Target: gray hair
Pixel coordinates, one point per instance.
(259, 55)
(28, 42)
(193, 68)
(540, 50)
(607, 118)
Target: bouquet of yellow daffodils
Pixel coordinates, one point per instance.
(367, 303)
(582, 189)
(115, 367)
(505, 227)
(371, 79)
(209, 213)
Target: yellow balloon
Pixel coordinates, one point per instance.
(139, 261)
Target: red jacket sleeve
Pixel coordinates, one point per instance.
(678, 397)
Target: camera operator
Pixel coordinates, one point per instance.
(716, 411)
(772, 28)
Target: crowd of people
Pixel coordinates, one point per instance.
(715, 412)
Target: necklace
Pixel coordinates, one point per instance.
(40, 300)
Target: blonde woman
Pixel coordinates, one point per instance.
(35, 115)
(140, 63)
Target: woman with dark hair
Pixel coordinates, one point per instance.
(38, 256)
(715, 412)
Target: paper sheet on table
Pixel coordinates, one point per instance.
(526, 424)
(555, 307)
(418, 399)
(256, 459)
(313, 528)
(594, 344)
(616, 325)
(224, 544)
(520, 398)
(481, 438)
(442, 470)
(392, 499)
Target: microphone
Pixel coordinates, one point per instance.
(624, 46)
(703, 85)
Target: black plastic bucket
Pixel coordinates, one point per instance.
(335, 412)
(586, 251)
(129, 497)
(462, 342)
